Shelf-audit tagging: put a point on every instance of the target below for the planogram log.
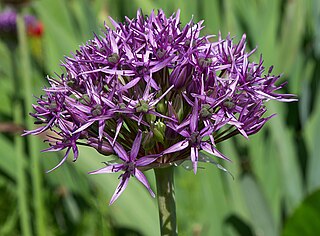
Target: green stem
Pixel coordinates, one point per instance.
(26, 83)
(21, 158)
(21, 175)
(166, 201)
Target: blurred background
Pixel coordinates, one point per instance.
(276, 185)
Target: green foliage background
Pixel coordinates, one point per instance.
(276, 189)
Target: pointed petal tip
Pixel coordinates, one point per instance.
(91, 172)
(195, 166)
(152, 194)
(111, 202)
(48, 171)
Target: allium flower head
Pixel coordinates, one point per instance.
(155, 93)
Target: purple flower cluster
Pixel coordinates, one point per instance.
(154, 93)
(8, 24)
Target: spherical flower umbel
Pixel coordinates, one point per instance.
(155, 93)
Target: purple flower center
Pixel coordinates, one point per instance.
(206, 111)
(96, 110)
(113, 58)
(130, 166)
(195, 138)
(142, 106)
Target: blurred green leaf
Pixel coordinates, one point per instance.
(262, 219)
(8, 227)
(6, 78)
(315, 24)
(305, 219)
(291, 176)
(303, 88)
(293, 27)
(146, 5)
(8, 158)
(210, 11)
(265, 165)
(85, 18)
(5, 97)
(312, 131)
(59, 37)
(192, 191)
(65, 176)
(5, 62)
(72, 208)
(233, 187)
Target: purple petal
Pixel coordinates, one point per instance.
(120, 188)
(104, 117)
(194, 117)
(187, 99)
(113, 42)
(162, 64)
(108, 169)
(146, 160)
(75, 152)
(110, 71)
(212, 101)
(128, 52)
(119, 150)
(61, 162)
(113, 22)
(212, 150)
(194, 158)
(152, 82)
(38, 130)
(185, 133)
(176, 147)
(136, 146)
(280, 99)
(130, 84)
(142, 178)
(108, 102)
(119, 125)
(183, 124)
(162, 116)
(102, 147)
(83, 127)
(102, 124)
(162, 96)
(206, 131)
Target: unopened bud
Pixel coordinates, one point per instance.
(102, 147)
(206, 111)
(159, 131)
(229, 103)
(85, 99)
(181, 76)
(113, 58)
(150, 118)
(170, 134)
(161, 107)
(161, 53)
(142, 106)
(178, 107)
(96, 110)
(204, 62)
